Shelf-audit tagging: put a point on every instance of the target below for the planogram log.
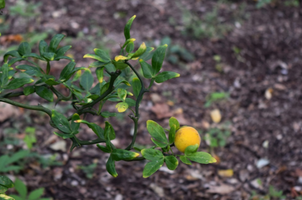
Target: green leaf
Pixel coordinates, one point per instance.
(107, 114)
(61, 51)
(121, 154)
(24, 48)
(119, 64)
(14, 60)
(97, 64)
(100, 74)
(49, 56)
(201, 157)
(128, 27)
(2, 5)
(147, 69)
(191, 149)
(95, 128)
(63, 57)
(13, 53)
(63, 135)
(4, 75)
(158, 59)
(33, 55)
(6, 182)
(140, 51)
(152, 154)
(60, 121)
(148, 54)
(44, 93)
(158, 144)
(157, 132)
(164, 76)
(122, 94)
(185, 160)
(104, 88)
(174, 121)
(67, 72)
(130, 102)
(21, 188)
(55, 41)
(86, 79)
(122, 106)
(102, 54)
(103, 148)
(130, 47)
(18, 156)
(42, 47)
(36, 194)
(18, 82)
(30, 70)
(110, 166)
(152, 167)
(2, 190)
(171, 162)
(110, 67)
(136, 86)
(5, 197)
(172, 132)
(75, 126)
(109, 131)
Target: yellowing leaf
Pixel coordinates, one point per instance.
(216, 115)
(120, 57)
(226, 173)
(122, 106)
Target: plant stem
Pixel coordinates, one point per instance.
(60, 95)
(11, 94)
(96, 141)
(138, 100)
(48, 68)
(114, 76)
(39, 107)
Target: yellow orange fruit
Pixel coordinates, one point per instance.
(185, 137)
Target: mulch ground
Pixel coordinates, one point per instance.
(260, 67)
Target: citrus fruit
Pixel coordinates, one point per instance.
(185, 137)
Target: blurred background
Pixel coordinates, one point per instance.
(240, 64)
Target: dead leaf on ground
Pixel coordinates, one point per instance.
(216, 115)
(161, 110)
(11, 38)
(7, 111)
(226, 173)
(221, 189)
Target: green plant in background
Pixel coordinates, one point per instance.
(214, 97)
(30, 137)
(217, 136)
(273, 193)
(88, 170)
(207, 27)
(6, 162)
(23, 192)
(176, 53)
(118, 82)
(24, 9)
(263, 3)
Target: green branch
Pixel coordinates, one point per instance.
(138, 100)
(114, 76)
(38, 108)
(60, 95)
